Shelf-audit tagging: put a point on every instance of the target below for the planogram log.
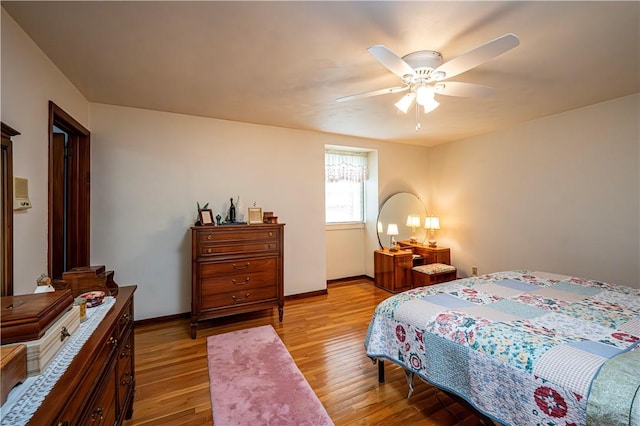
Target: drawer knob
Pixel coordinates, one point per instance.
(271, 233)
(208, 250)
(240, 267)
(238, 299)
(97, 414)
(245, 281)
(209, 237)
(126, 379)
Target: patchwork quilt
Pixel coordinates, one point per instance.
(524, 348)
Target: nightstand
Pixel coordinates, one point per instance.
(393, 269)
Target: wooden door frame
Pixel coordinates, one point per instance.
(7, 209)
(78, 188)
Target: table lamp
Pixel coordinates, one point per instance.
(392, 231)
(413, 222)
(432, 223)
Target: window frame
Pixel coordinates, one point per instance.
(362, 190)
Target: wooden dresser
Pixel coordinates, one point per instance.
(235, 269)
(99, 384)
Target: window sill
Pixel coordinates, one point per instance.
(343, 226)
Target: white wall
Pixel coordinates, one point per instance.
(149, 169)
(345, 251)
(560, 194)
(29, 81)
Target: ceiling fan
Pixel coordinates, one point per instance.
(423, 73)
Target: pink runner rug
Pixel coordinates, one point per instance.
(254, 381)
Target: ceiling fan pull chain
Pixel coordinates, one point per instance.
(418, 125)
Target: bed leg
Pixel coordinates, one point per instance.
(380, 370)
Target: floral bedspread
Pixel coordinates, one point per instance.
(522, 347)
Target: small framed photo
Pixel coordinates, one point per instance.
(206, 217)
(255, 215)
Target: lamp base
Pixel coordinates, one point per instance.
(394, 249)
(432, 244)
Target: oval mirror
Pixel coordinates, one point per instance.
(396, 210)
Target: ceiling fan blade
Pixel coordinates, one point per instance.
(477, 56)
(450, 88)
(373, 93)
(391, 61)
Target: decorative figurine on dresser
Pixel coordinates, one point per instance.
(235, 268)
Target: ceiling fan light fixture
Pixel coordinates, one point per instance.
(405, 102)
(423, 73)
(430, 106)
(424, 95)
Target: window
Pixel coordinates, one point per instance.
(345, 175)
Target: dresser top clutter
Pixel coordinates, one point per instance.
(67, 364)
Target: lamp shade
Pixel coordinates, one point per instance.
(405, 102)
(424, 94)
(432, 222)
(413, 221)
(392, 229)
(425, 98)
(430, 106)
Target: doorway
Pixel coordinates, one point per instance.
(69, 193)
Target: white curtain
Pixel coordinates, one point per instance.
(346, 166)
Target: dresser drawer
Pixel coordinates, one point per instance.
(103, 410)
(213, 249)
(239, 297)
(101, 362)
(243, 282)
(237, 267)
(125, 374)
(125, 322)
(250, 233)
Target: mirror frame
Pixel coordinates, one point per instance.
(389, 203)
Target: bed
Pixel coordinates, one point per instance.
(522, 347)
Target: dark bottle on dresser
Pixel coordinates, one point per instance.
(232, 212)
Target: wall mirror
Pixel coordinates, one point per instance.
(396, 209)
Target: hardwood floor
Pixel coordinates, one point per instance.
(324, 334)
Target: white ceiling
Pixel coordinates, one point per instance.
(284, 63)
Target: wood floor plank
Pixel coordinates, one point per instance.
(325, 336)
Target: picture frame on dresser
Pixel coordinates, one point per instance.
(254, 215)
(206, 217)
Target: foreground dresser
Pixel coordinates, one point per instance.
(235, 269)
(99, 384)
